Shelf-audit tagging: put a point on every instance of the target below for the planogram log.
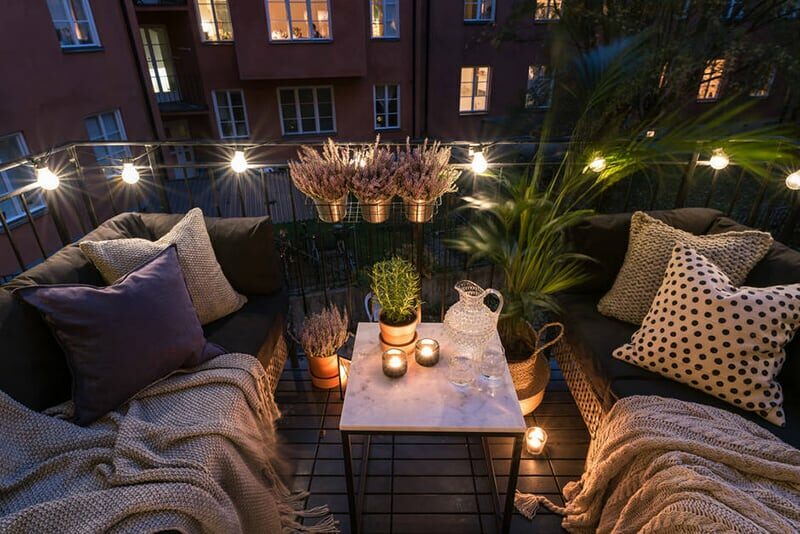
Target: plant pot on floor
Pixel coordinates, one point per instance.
(399, 334)
(324, 371)
(331, 211)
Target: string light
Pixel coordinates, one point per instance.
(129, 173)
(719, 160)
(46, 178)
(598, 164)
(793, 181)
(479, 163)
(239, 162)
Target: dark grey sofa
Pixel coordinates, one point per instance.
(33, 369)
(597, 379)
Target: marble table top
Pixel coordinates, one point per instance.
(423, 400)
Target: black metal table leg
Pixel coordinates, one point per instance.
(512, 484)
(348, 476)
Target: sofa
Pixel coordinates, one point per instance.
(33, 369)
(597, 380)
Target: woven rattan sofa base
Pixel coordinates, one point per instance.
(588, 403)
(277, 363)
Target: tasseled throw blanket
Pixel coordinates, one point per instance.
(663, 465)
(195, 452)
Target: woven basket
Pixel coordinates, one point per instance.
(530, 376)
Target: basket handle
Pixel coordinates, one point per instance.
(538, 334)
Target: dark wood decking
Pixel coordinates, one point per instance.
(424, 484)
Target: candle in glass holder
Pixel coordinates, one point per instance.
(535, 440)
(426, 352)
(395, 363)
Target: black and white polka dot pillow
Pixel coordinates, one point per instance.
(729, 342)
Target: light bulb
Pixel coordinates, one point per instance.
(793, 181)
(239, 162)
(598, 164)
(719, 160)
(129, 173)
(479, 163)
(46, 178)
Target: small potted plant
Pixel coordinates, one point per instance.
(325, 178)
(396, 285)
(373, 182)
(323, 334)
(423, 175)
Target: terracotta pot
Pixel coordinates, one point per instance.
(399, 334)
(420, 211)
(376, 212)
(324, 371)
(331, 212)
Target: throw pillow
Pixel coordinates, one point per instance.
(724, 340)
(121, 338)
(212, 294)
(649, 247)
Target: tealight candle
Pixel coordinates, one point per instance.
(535, 440)
(426, 352)
(395, 363)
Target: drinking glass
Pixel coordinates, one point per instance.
(492, 365)
(460, 370)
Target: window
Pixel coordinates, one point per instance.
(474, 94)
(387, 106)
(735, 9)
(215, 20)
(13, 147)
(540, 87)
(307, 110)
(108, 127)
(183, 154)
(160, 64)
(478, 10)
(299, 20)
(763, 86)
(73, 22)
(548, 10)
(711, 83)
(231, 114)
(385, 18)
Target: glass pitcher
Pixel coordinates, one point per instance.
(470, 323)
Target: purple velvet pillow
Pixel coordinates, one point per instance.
(121, 338)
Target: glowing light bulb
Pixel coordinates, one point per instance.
(719, 160)
(129, 173)
(598, 164)
(479, 163)
(239, 162)
(46, 178)
(793, 181)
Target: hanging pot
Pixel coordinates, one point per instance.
(324, 371)
(419, 211)
(332, 211)
(376, 212)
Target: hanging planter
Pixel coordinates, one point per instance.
(376, 212)
(419, 211)
(325, 177)
(373, 181)
(331, 211)
(423, 175)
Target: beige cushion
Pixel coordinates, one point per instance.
(724, 340)
(649, 249)
(212, 295)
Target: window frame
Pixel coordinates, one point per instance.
(125, 151)
(37, 205)
(710, 64)
(549, 76)
(372, 20)
(479, 4)
(292, 39)
(386, 107)
(65, 5)
(766, 87)
(218, 118)
(550, 10)
(474, 86)
(216, 23)
(298, 116)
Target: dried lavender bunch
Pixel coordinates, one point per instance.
(324, 176)
(374, 179)
(424, 172)
(324, 333)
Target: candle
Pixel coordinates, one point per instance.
(535, 440)
(395, 363)
(426, 352)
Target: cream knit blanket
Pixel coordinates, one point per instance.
(195, 452)
(664, 465)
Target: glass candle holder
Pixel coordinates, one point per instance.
(426, 352)
(395, 363)
(535, 440)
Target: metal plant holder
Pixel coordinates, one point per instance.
(420, 211)
(332, 212)
(376, 212)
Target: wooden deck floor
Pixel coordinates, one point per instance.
(424, 484)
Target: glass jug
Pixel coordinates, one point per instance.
(470, 323)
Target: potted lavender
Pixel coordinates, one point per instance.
(323, 334)
(324, 177)
(423, 175)
(373, 182)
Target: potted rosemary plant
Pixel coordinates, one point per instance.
(423, 175)
(373, 182)
(323, 334)
(396, 286)
(325, 177)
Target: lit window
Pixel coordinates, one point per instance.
(540, 87)
(160, 65)
(385, 18)
(13, 147)
(299, 20)
(215, 20)
(764, 84)
(108, 127)
(73, 22)
(474, 91)
(548, 9)
(231, 114)
(387, 106)
(306, 110)
(711, 83)
(478, 10)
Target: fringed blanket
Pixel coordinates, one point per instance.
(663, 465)
(195, 452)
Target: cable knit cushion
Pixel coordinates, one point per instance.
(705, 332)
(212, 295)
(649, 247)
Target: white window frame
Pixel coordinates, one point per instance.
(383, 21)
(65, 5)
(552, 12)
(293, 39)
(472, 96)
(230, 110)
(765, 89)
(385, 98)
(701, 93)
(479, 4)
(298, 118)
(544, 72)
(106, 158)
(215, 22)
(36, 203)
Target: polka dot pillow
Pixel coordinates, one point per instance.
(703, 331)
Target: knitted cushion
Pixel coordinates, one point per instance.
(649, 247)
(705, 332)
(212, 294)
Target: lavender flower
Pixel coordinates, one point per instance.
(326, 176)
(424, 172)
(324, 333)
(374, 180)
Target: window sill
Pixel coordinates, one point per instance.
(384, 38)
(299, 41)
(478, 22)
(82, 49)
(387, 128)
(309, 134)
(472, 113)
(218, 43)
